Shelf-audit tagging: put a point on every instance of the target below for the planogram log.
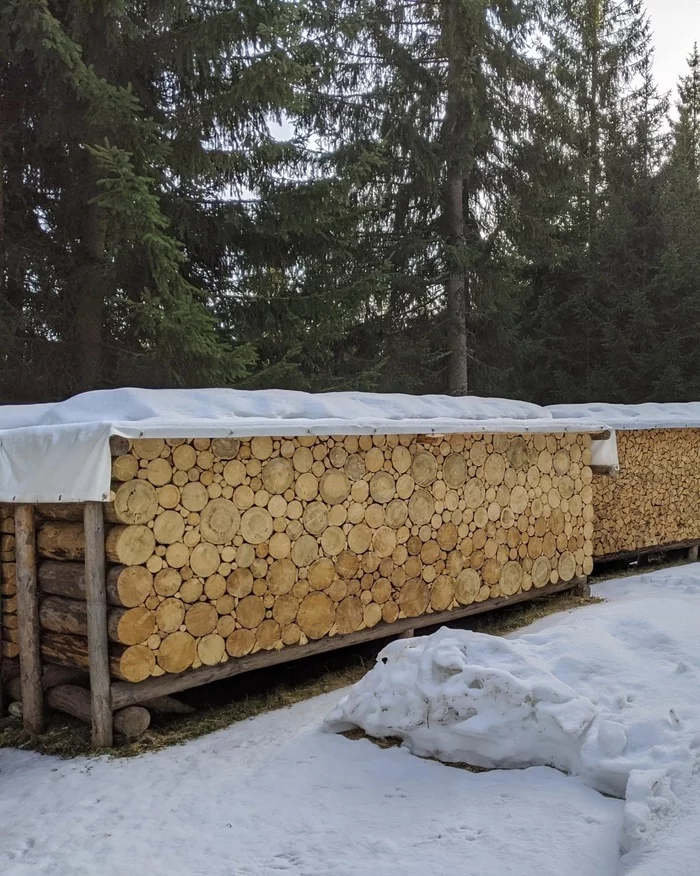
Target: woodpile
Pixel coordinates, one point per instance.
(8, 584)
(222, 548)
(653, 499)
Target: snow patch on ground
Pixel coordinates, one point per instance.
(277, 795)
(607, 693)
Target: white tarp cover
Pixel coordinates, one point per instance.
(60, 452)
(650, 415)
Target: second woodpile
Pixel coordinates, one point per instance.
(221, 548)
(655, 498)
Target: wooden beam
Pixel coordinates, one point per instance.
(643, 552)
(125, 693)
(98, 646)
(28, 620)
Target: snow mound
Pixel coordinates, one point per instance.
(468, 697)
(607, 693)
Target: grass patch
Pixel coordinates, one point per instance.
(225, 702)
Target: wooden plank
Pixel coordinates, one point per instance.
(28, 618)
(126, 693)
(98, 647)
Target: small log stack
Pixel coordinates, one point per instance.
(8, 584)
(223, 548)
(652, 502)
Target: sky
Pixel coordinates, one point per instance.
(676, 25)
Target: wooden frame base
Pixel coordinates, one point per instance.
(126, 693)
(691, 545)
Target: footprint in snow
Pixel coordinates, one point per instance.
(286, 860)
(470, 834)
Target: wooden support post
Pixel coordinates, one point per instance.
(98, 648)
(2, 701)
(28, 620)
(407, 634)
(693, 554)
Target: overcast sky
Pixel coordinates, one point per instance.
(676, 25)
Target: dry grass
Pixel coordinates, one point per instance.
(226, 702)
(395, 742)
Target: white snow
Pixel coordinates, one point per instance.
(60, 452)
(608, 694)
(613, 695)
(277, 795)
(650, 415)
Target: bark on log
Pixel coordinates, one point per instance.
(61, 540)
(128, 662)
(132, 721)
(127, 586)
(125, 626)
(168, 705)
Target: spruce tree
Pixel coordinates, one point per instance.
(594, 55)
(134, 137)
(424, 92)
(677, 288)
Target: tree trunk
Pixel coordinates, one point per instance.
(455, 287)
(456, 137)
(91, 287)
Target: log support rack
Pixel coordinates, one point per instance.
(110, 705)
(689, 547)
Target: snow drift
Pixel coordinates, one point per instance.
(568, 694)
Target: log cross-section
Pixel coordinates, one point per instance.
(98, 647)
(28, 620)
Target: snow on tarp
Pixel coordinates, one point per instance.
(608, 693)
(650, 415)
(60, 452)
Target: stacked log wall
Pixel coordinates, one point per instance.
(8, 584)
(655, 498)
(222, 548)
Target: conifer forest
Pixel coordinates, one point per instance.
(422, 196)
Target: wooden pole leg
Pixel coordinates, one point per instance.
(98, 647)
(693, 554)
(28, 620)
(407, 634)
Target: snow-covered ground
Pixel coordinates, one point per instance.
(281, 794)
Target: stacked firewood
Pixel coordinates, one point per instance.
(650, 501)
(8, 585)
(224, 547)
